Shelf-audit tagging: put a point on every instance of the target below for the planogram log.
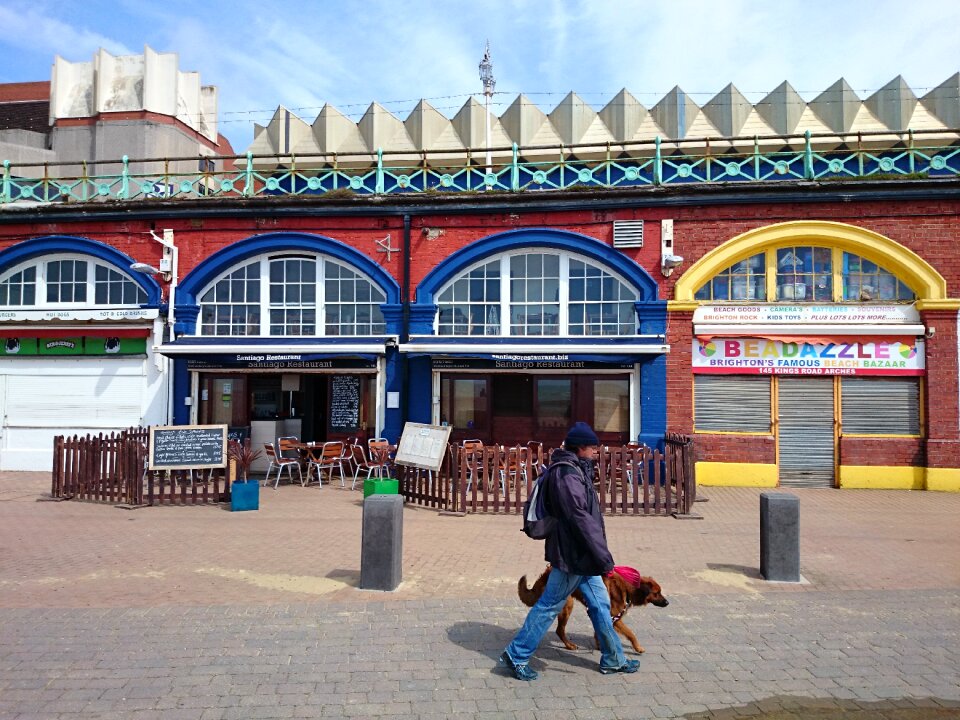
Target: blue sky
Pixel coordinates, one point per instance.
(304, 54)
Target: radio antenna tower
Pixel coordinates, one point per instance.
(486, 76)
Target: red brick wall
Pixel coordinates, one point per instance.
(882, 451)
(736, 448)
(931, 229)
(942, 400)
(679, 377)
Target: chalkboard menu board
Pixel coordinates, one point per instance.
(187, 447)
(344, 403)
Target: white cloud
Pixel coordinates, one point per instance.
(304, 54)
(29, 30)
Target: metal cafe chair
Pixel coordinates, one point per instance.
(361, 463)
(278, 463)
(380, 454)
(513, 467)
(290, 448)
(330, 458)
(470, 447)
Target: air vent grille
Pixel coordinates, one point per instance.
(628, 233)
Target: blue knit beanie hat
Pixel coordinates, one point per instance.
(581, 435)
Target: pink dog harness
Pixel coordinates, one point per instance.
(632, 577)
(627, 573)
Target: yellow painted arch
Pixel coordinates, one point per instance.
(909, 267)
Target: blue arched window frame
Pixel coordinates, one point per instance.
(55, 245)
(651, 311)
(233, 256)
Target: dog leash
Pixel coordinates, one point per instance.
(619, 615)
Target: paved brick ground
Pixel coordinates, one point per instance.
(202, 613)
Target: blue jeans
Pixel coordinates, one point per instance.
(559, 587)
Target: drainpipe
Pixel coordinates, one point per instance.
(405, 322)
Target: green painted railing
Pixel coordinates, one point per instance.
(880, 155)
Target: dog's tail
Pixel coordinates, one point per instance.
(528, 596)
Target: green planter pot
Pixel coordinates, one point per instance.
(380, 486)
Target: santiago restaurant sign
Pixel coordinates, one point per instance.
(759, 356)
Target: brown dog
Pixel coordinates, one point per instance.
(623, 595)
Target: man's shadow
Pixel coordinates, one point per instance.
(490, 641)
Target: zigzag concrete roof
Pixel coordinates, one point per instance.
(837, 110)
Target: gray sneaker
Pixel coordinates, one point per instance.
(630, 666)
(520, 672)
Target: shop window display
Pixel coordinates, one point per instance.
(806, 274)
(744, 281)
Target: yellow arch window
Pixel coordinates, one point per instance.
(805, 273)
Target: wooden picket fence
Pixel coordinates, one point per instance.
(112, 469)
(630, 480)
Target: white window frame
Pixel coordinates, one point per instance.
(263, 261)
(506, 300)
(40, 296)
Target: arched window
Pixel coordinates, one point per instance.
(805, 274)
(537, 293)
(68, 281)
(292, 295)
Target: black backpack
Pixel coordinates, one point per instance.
(538, 523)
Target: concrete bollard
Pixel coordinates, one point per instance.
(780, 537)
(381, 546)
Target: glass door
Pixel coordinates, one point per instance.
(553, 406)
(465, 405)
(223, 400)
(610, 411)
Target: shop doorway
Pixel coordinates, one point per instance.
(310, 406)
(807, 430)
(515, 408)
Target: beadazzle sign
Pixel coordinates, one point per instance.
(759, 356)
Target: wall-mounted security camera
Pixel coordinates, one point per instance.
(931, 331)
(668, 260)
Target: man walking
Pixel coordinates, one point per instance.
(578, 555)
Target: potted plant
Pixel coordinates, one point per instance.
(244, 456)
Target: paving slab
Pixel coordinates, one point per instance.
(197, 612)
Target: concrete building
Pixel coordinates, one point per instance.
(78, 326)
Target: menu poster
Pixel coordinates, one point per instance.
(344, 403)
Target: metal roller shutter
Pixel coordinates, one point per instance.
(806, 433)
(880, 406)
(732, 403)
(76, 403)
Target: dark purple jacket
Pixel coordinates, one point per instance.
(578, 544)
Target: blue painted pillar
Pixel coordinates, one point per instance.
(652, 320)
(653, 401)
(185, 319)
(420, 389)
(393, 417)
(421, 318)
(181, 391)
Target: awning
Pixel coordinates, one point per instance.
(271, 352)
(76, 331)
(527, 351)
